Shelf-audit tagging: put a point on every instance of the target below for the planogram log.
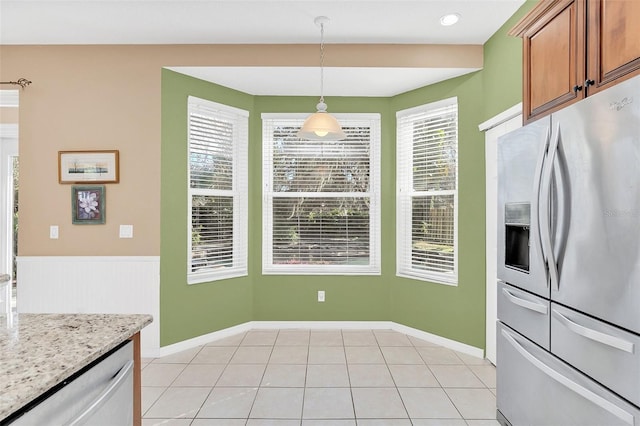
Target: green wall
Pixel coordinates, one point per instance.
(188, 311)
(458, 313)
(348, 298)
(454, 312)
(502, 71)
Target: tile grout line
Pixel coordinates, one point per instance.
(386, 363)
(306, 370)
(444, 389)
(348, 365)
(172, 382)
(258, 387)
(217, 380)
(346, 360)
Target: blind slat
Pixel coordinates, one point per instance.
(218, 139)
(321, 205)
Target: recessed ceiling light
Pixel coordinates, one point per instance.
(449, 19)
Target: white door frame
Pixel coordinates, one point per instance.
(495, 127)
(8, 149)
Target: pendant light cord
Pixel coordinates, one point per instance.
(321, 126)
(322, 62)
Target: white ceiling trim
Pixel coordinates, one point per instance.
(202, 22)
(338, 81)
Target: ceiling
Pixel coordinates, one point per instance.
(266, 22)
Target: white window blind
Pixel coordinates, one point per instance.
(217, 237)
(321, 208)
(427, 192)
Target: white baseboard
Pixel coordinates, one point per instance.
(198, 341)
(317, 325)
(322, 325)
(439, 340)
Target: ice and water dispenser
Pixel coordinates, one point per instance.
(517, 222)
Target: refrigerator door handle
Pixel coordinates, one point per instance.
(570, 384)
(533, 306)
(597, 336)
(536, 199)
(544, 212)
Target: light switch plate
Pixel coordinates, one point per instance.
(53, 232)
(126, 231)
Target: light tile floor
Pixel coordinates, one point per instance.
(319, 378)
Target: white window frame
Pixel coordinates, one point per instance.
(239, 191)
(356, 119)
(405, 194)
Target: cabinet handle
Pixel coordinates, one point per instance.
(577, 88)
(588, 83)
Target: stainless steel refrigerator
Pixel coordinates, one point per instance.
(569, 265)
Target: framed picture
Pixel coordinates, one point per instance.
(88, 166)
(87, 205)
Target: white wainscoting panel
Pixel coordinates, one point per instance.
(90, 284)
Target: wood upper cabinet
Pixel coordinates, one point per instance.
(614, 42)
(574, 48)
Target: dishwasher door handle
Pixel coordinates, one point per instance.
(115, 383)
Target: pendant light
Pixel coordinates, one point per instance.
(321, 126)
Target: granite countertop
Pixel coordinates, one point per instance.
(38, 351)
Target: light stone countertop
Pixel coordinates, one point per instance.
(39, 351)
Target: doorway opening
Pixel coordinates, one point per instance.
(494, 128)
(13, 211)
(9, 188)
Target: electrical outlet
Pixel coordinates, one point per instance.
(53, 232)
(320, 295)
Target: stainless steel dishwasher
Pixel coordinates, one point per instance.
(100, 395)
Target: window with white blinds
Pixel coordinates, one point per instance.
(321, 200)
(427, 192)
(217, 235)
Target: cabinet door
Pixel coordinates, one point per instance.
(613, 42)
(553, 54)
